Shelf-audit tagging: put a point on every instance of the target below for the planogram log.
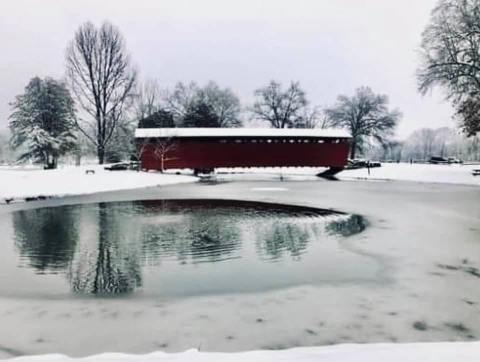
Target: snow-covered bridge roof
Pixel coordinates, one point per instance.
(240, 132)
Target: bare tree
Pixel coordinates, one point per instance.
(426, 139)
(102, 79)
(364, 115)
(443, 136)
(148, 99)
(313, 117)
(223, 103)
(181, 99)
(140, 146)
(450, 56)
(424, 143)
(162, 149)
(282, 109)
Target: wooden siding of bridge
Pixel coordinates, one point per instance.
(209, 153)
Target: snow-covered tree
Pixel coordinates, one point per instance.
(450, 58)
(42, 121)
(7, 154)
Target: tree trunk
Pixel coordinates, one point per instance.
(51, 162)
(101, 155)
(353, 148)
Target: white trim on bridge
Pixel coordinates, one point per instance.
(240, 132)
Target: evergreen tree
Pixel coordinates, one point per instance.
(158, 119)
(200, 114)
(222, 102)
(42, 121)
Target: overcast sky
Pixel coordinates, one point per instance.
(330, 46)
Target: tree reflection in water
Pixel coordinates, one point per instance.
(347, 226)
(118, 240)
(199, 235)
(276, 239)
(116, 267)
(46, 237)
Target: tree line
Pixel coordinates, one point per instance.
(424, 143)
(101, 99)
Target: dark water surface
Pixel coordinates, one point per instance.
(176, 248)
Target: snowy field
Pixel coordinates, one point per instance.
(426, 246)
(19, 183)
(454, 174)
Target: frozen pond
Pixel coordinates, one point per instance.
(177, 248)
(89, 274)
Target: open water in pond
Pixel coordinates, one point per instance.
(176, 248)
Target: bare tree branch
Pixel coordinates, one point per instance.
(102, 79)
(365, 115)
(282, 109)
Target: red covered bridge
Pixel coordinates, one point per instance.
(204, 149)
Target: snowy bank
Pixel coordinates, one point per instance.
(450, 174)
(21, 183)
(434, 352)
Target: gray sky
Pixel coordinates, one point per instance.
(330, 46)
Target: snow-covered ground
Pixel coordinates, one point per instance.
(423, 237)
(454, 174)
(424, 254)
(19, 183)
(421, 352)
